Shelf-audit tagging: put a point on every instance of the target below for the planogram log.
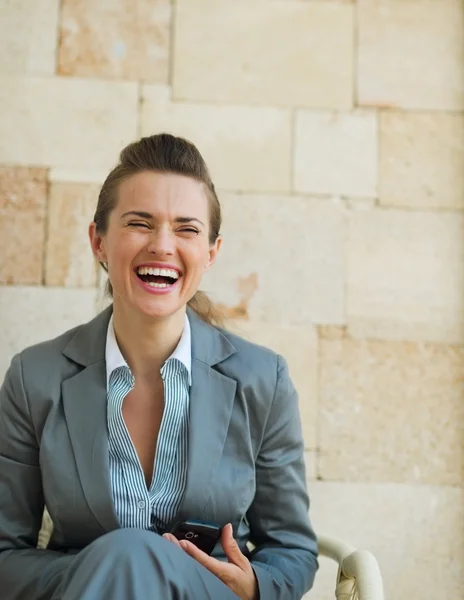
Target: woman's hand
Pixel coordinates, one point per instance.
(237, 574)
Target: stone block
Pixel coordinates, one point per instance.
(266, 53)
(246, 148)
(410, 54)
(23, 197)
(119, 39)
(336, 153)
(406, 275)
(69, 259)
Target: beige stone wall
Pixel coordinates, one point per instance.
(335, 134)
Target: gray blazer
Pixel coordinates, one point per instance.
(245, 463)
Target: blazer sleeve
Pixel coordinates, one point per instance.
(25, 571)
(285, 555)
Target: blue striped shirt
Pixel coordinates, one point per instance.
(135, 504)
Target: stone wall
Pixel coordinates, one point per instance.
(335, 134)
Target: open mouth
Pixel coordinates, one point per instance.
(158, 278)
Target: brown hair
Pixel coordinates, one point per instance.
(169, 154)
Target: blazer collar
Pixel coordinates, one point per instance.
(87, 346)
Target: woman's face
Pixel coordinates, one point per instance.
(156, 244)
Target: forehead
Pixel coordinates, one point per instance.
(162, 194)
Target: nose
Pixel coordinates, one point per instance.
(161, 242)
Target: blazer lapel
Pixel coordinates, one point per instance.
(85, 408)
(85, 405)
(211, 401)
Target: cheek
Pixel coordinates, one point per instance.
(120, 254)
(197, 256)
(202, 264)
(123, 247)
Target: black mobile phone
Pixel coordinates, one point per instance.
(203, 534)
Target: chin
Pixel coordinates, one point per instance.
(159, 309)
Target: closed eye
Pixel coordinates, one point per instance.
(189, 230)
(138, 224)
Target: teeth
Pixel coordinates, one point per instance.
(158, 285)
(163, 272)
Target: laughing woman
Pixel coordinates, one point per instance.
(150, 415)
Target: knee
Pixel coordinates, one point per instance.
(121, 542)
(142, 556)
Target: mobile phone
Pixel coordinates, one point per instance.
(203, 534)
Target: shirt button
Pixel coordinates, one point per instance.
(141, 504)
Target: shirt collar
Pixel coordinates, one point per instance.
(114, 358)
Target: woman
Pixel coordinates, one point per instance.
(150, 415)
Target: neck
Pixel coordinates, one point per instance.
(146, 343)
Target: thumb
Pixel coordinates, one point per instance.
(231, 548)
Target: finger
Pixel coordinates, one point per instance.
(171, 538)
(213, 565)
(231, 548)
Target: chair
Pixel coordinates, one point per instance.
(359, 576)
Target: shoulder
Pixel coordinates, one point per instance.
(253, 362)
(36, 373)
(43, 363)
(47, 349)
(59, 356)
(46, 352)
(250, 350)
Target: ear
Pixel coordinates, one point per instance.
(97, 243)
(213, 252)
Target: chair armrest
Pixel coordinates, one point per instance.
(46, 530)
(358, 570)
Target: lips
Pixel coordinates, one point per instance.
(158, 277)
(168, 272)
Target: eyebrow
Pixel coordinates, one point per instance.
(145, 215)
